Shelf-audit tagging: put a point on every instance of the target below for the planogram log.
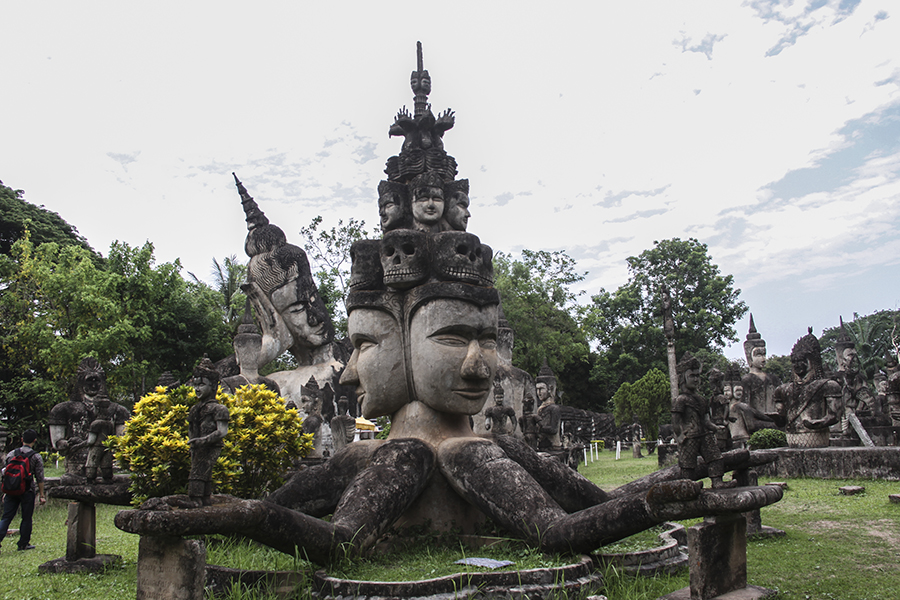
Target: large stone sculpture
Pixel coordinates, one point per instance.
(291, 313)
(207, 428)
(759, 386)
(694, 430)
(343, 426)
(424, 336)
(810, 403)
(743, 419)
(70, 422)
(856, 396)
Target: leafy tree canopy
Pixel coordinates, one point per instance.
(876, 337)
(647, 399)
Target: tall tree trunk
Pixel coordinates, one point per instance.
(669, 330)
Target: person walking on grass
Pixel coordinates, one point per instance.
(32, 470)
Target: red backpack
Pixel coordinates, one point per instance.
(17, 474)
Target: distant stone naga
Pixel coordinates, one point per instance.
(424, 330)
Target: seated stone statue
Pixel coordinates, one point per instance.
(99, 457)
(499, 419)
(811, 403)
(718, 408)
(207, 428)
(694, 430)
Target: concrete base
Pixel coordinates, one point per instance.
(170, 568)
(880, 462)
(751, 592)
(81, 534)
(94, 564)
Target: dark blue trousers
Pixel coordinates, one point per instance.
(10, 508)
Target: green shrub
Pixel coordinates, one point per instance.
(768, 438)
(264, 438)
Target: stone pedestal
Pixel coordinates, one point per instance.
(717, 551)
(170, 568)
(81, 536)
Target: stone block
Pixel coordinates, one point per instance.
(851, 490)
(782, 484)
(894, 498)
(717, 552)
(170, 568)
(81, 535)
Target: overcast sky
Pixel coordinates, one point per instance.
(768, 130)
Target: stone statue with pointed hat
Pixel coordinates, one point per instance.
(856, 395)
(548, 411)
(759, 386)
(207, 428)
(810, 403)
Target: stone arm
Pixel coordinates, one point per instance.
(678, 425)
(833, 396)
(213, 437)
(445, 121)
(550, 420)
(276, 336)
(513, 422)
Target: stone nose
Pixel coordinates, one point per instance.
(475, 366)
(350, 376)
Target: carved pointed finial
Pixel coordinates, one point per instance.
(420, 63)
(752, 325)
(255, 216)
(420, 82)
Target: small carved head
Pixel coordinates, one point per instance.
(404, 258)
(460, 256)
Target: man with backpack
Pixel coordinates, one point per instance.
(24, 467)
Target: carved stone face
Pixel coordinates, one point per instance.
(543, 392)
(458, 211)
(404, 258)
(203, 388)
(428, 205)
(307, 330)
(309, 405)
(849, 360)
(758, 357)
(453, 345)
(420, 81)
(727, 392)
(92, 384)
(692, 379)
(738, 392)
(376, 366)
(800, 366)
(390, 209)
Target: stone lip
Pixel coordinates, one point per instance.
(577, 574)
(116, 492)
(670, 556)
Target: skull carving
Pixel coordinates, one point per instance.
(365, 270)
(460, 256)
(404, 258)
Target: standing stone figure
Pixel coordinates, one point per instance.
(207, 427)
(343, 426)
(99, 457)
(759, 386)
(548, 411)
(855, 392)
(499, 419)
(810, 403)
(694, 430)
(718, 408)
(70, 422)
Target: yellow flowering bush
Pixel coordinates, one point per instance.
(264, 438)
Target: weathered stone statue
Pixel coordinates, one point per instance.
(856, 395)
(548, 411)
(247, 347)
(311, 412)
(743, 419)
(759, 386)
(425, 353)
(427, 202)
(394, 208)
(718, 408)
(99, 457)
(456, 214)
(810, 403)
(343, 426)
(207, 428)
(499, 419)
(70, 422)
(291, 313)
(517, 385)
(694, 430)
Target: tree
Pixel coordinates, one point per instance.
(227, 280)
(647, 399)
(329, 253)
(541, 308)
(873, 336)
(16, 214)
(628, 324)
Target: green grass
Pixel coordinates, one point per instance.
(836, 546)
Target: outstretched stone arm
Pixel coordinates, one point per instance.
(571, 490)
(375, 499)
